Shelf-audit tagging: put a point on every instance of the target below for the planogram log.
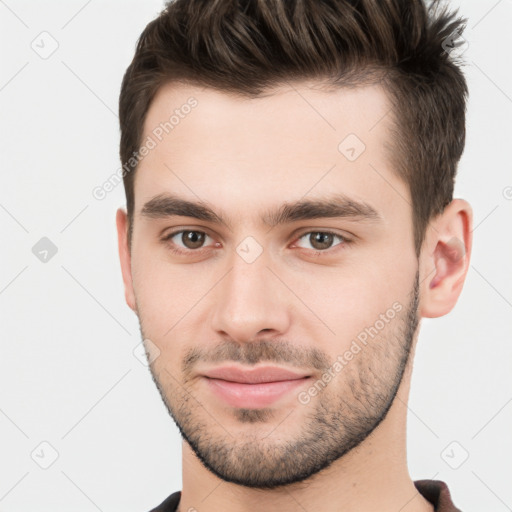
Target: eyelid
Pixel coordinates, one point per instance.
(183, 250)
(345, 240)
(179, 229)
(171, 234)
(331, 231)
(296, 236)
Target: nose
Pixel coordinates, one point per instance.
(250, 301)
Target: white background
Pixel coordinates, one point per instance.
(68, 375)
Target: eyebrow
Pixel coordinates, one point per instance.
(333, 206)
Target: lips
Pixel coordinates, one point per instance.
(255, 388)
(254, 375)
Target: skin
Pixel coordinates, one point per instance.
(298, 305)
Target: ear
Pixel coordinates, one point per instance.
(444, 259)
(125, 257)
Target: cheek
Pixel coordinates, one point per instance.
(352, 299)
(158, 291)
(167, 293)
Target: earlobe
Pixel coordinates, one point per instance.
(445, 260)
(125, 257)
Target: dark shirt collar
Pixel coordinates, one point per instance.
(434, 491)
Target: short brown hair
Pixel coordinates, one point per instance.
(248, 46)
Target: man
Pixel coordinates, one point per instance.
(289, 169)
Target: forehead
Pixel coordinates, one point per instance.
(300, 110)
(296, 140)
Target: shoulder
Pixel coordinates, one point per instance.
(170, 504)
(437, 492)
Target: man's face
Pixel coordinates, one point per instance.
(274, 283)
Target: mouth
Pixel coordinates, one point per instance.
(254, 388)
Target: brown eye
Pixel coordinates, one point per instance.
(321, 240)
(186, 240)
(192, 239)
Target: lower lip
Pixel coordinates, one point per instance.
(253, 396)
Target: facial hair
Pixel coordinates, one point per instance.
(339, 418)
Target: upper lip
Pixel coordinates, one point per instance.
(254, 375)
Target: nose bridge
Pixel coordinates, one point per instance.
(248, 299)
(247, 278)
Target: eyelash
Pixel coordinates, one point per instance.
(181, 252)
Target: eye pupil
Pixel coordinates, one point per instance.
(321, 240)
(192, 239)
